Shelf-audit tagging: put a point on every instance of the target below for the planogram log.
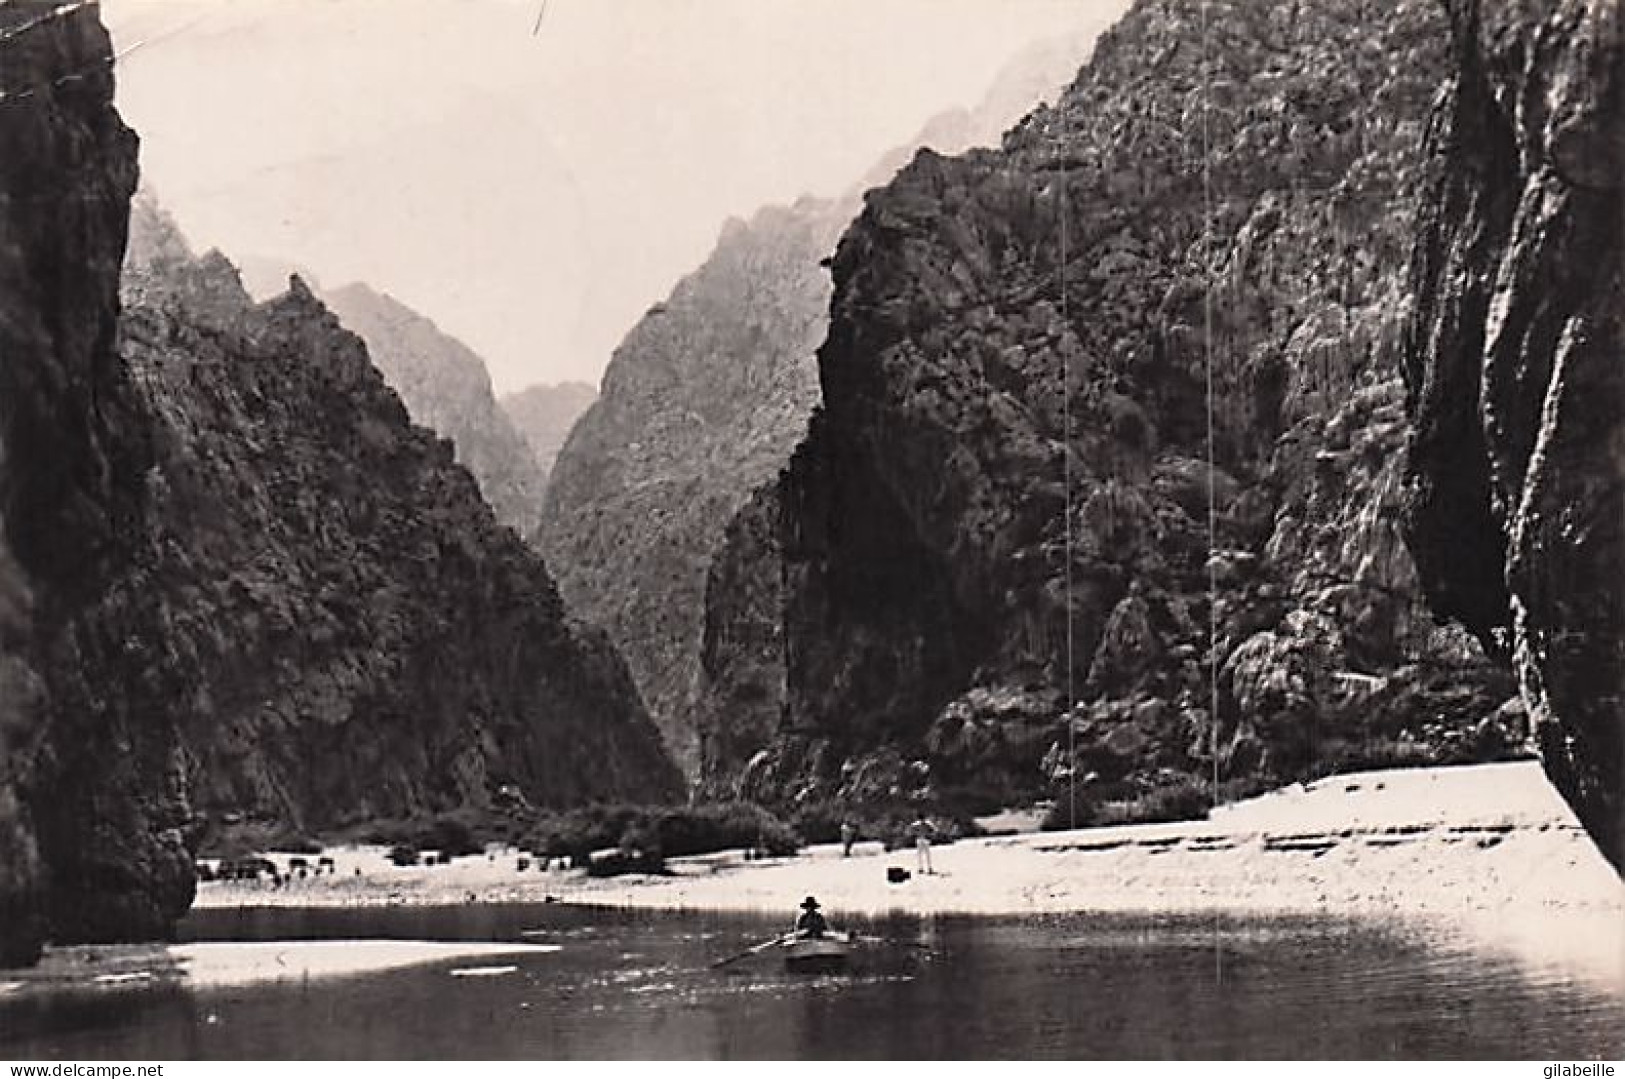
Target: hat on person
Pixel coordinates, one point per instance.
(809, 903)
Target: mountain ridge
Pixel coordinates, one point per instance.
(445, 385)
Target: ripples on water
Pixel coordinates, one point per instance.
(641, 985)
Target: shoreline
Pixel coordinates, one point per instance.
(210, 965)
(1479, 858)
(1487, 852)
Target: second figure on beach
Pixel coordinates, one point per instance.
(922, 830)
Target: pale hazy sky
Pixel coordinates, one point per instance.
(533, 194)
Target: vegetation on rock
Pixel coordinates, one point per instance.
(656, 833)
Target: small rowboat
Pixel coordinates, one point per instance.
(817, 955)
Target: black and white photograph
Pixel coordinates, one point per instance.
(806, 530)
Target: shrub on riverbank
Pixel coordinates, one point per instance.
(645, 835)
(660, 831)
(239, 838)
(453, 834)
(1179, 798)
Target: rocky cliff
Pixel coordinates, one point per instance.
(1516, 474)
(445, 386)
(1015, 428)
(544, 414)
(704, 401)
(343, 627)
(90, 796)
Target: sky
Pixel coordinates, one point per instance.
(533, 176)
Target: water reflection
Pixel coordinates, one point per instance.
(630, 985)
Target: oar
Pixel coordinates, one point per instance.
(867, 939)
(762, 947)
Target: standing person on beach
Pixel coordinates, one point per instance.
(922, 830)
(849, 835)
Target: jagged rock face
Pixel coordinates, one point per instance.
(922, 524)
(1516, 468)
(742, 652)
(21, 873)
(342, 626)
(89, 805)
(543, 416)
(1034, 76)
(446, 387)
(264, 276)
(701, 403)
(155, 246)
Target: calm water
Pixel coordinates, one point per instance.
(640, 985)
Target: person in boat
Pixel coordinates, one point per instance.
(810, 923)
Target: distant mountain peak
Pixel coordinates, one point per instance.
(445, 385)
(298, 291)
(544, 414)
(266, 276)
